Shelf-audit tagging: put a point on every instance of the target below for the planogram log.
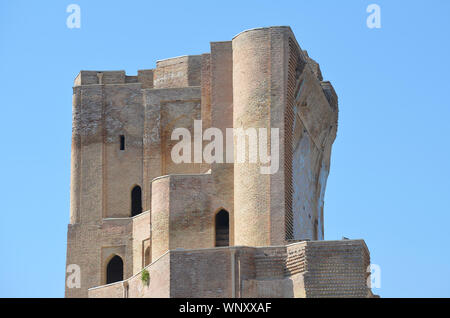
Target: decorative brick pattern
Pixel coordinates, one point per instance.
(288, 134)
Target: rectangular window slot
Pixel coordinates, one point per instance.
(122, 142)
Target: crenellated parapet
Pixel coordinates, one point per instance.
(183, 71)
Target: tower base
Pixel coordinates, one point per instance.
(302, 269)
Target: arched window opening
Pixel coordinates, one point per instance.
(147, 256)
(114, 270)
(136, 201)
(222, 228)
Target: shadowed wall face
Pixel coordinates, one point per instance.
(277, 85)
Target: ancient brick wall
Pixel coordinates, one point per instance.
(123, 116)
(251, 102)
(222, 186)
(203, 273)
(260, 79)
(157, 286)
(114, 290)
(336, 269)
(141, 240)
(304, 269)
(91, 246)
(182, 213)
(176, 72)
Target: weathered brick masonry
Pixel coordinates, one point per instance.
(134, 208)
(304, 269)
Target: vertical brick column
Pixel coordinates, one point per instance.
(259, 94)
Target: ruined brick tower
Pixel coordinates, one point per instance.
(207, 230)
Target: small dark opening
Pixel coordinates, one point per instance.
(136, 201)
(222, 228)
(114, 270)
(122, 142)
(316, 229)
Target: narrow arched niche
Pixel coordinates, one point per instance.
(222, 225)
(136, 201)
(114, 270)
(147, 256)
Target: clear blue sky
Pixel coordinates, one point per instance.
(389, 180)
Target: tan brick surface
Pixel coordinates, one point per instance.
(259, 79)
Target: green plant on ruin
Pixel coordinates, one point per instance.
(145, 276)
